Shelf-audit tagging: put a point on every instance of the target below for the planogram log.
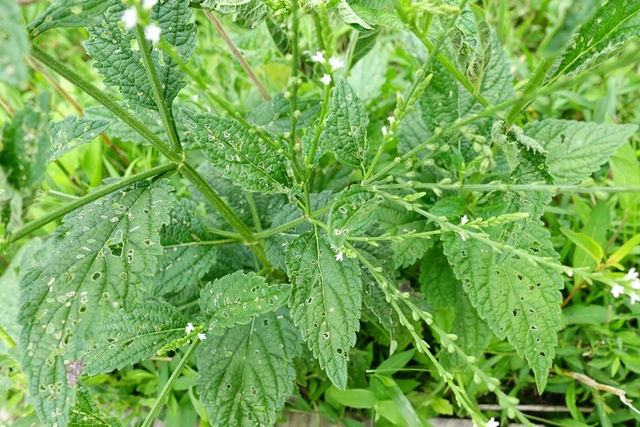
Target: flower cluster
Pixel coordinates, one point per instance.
(130, 20)
(632, 280)
(334, 62)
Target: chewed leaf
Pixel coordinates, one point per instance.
(91, 267)
(110, 46)
(88, 412)
(127, 338)
(237, 298)
(325, 302)
(248, 13)
(351, 214)
(71, 132)
(246, 374)
(238, 154)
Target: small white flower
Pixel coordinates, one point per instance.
(635, 284)
(318, 57)
(570, 273)
(617, 290)
(152, 33)
(384, 131)
(631, 275)
(195, 98)
(326, 79)
(148, 4)
(339, 256)
(464, 220)
(335, 63)
(391, 120)
(492, 423)
(189, 328)
(634, 297)
(202, 336)
(130, 17)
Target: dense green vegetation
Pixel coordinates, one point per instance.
(224, 212)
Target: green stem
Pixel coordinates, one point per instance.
(292, 224)
(515, 187)
(159, 403)
(254, 211)
(4, 336)
(165, 114)
(94, 195)
(104, 99)
(536, 80)
(295, 53)
(185, 168)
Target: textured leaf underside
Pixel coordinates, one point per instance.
(67, 134)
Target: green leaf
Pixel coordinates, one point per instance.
(577, 149)
(238, 154)
(275, 115)
(246, 374)
(376, 12)
(584, 242)
(348, 16)
(68, 14)
(23, 155)
(247, 13)
(279, 36)
(572, 15)
(626, 171)
(442, 290)
(364, 44)
(325, 302)
(397, 221)
(624, 250)
(89, 268)
(184, 261)
(127, 338)
(369, 75)
(519, 299)
(238, 298)
(602, 37)
(596, 227)
(346, 131)
(351, 214)
(67, 134)
(15, 45)
(110, 47)
(88, 412)
(353, 397)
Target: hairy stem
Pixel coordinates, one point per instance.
(234, 50)
(94, 195)
(165, 114)
(159, 403)
(571, 189)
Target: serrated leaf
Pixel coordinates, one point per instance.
(351, 214)
(127, 338)
(275, 115)
(441, 289)
(238, 298)
(67, 134)
(577, 149)
(325, 302)
(88, 412)
(89, 268)
(397, 221)
(602, 37)
(23, 154)
(572, 15)
(346, 131)
(109, 46)
(68, 14)
(377, 12)
(238, 154)
(15, 45)
(348, 16)
(184, 261)
(247, 13)
(246, 374)
(519, 299)
(279, 36)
